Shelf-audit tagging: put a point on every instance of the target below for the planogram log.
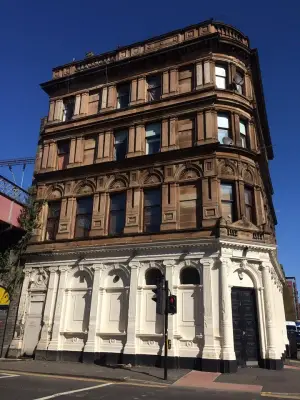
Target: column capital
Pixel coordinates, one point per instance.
(64, 268)
(169, 263)
(134, 265)
(52, 270)
(207, 262)
(265, 266)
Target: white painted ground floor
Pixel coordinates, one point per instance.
(97, 305)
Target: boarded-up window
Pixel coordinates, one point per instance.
(94, 101)
(185, 132)
(185, 79)
(189, 206)
(89, 151)
(63, 152)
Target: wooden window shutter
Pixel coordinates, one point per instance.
(185, 132)
(185, 79)
(89, 151)
(188, 206)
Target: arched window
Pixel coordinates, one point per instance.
(189, 276)
(153, 275)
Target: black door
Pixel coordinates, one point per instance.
(245, 331)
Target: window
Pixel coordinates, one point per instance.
(223, 127)
(154, 88)
(189, 276)
(89, 150)
(95, 97)
(123, 95)
(121, 143)
(152, 210)
(249, 204)
(53, 220)
(68, 109)
(239, 82)
(227, 201)
(153, 276)
(185, 79)
(63, 152)
(243, 133)
(83, 216)
(189, 206)
(221, 75)
(153, 133)
(117, 213)
(185, 132)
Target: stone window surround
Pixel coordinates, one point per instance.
(169, 137)
(204, 72)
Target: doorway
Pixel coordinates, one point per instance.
(245, 327)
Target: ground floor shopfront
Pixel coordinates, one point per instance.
(97, 306)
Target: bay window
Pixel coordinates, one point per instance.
(221, 76)
(227, 202)
(223, 127)
(249, 204)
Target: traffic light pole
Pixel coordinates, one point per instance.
(166, 331)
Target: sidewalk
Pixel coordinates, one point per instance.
(92, 371)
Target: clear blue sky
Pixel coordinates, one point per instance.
(37, 35)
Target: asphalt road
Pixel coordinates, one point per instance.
(31, 387)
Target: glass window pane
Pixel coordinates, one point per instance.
(243, 127)
(116, 222)
(152, 197)
(54, 210)
(153, 81)
(248, 197)
(120, 136)
(220, 82)
(153, 130)
(223, 121)
(226, 192)
(153, 146)
(243, 141)
(222, 133)
(85, 205)
(220, 71)
(118, 201)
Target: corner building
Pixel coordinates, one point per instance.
(153, 160)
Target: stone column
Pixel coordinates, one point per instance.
(91, 344)
(130, 347)
(226, 312)
(51, 111)
(271, 352)
(84, 103)
(48, 311)
(199, 75)
(58, 110)
(58, 317)
(209, 350)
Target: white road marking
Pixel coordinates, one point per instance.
(73, 391)
(8, 376)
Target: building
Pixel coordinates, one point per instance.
(12, 201)
(291, 299)
(154, 160)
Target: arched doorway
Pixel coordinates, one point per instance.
(4, 306)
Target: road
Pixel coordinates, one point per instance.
(16, 386)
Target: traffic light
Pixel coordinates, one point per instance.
(159, 298)
(172, 304)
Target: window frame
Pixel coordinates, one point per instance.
(89, 214)
(153, 138)
(231, 202)
(120, 210)
(66, 102)
(120, 96)
(244, 137)
(146, 208)
(159, 86)
(124, 143)
(65, 154)
(55, 219)
(224, 67)
(227, 130)
(241, 86)
(249, 189)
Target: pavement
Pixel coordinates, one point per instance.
(41, 379)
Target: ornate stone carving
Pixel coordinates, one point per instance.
(39, 279)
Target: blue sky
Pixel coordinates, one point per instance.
(38, 35)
